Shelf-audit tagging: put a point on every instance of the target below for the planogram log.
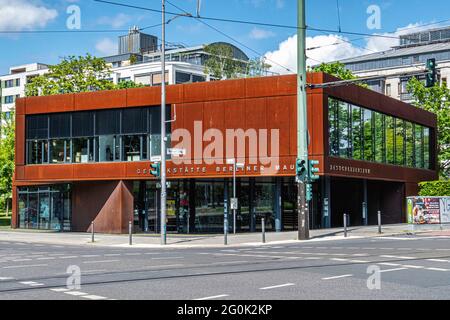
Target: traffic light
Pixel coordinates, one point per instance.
(313, 170)
(156, 169)
(301, 170)
(309, 192)
(431, 77)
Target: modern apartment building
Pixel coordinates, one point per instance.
(397, 65)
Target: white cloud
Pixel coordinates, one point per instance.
(106, 47)
(118, 21)
(17, 15)
(334, 47)
(260, 34)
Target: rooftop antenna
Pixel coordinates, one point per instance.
(199, 5)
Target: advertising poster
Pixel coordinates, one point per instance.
(424, 210)
(445, 210)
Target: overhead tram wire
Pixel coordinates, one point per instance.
(73, 31)
(231, 38)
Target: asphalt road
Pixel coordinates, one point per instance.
(407, 267)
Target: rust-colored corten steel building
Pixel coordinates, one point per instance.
(86, 157)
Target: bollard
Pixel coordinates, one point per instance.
(130, 232)
(379, 222)
(345, 225)
(263, 227)
(93, 232)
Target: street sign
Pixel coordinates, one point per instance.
(176, 152)
(158, 185)
(234, 203)
(155, 159)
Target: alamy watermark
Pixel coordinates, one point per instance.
(374, 19)
(73, 282)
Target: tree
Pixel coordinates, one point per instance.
(221, 63)
(71, 75)
(257, 67)
(6, 159)
(437, 100)
(336, 69)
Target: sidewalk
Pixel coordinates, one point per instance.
(216, 240)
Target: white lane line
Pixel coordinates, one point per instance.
(312, 258)
(31, 283)
(437, 260)
(213, 297)
(68, 257)
(60, 289)
(339, 259)
(278, 286)
(389, 264)
(90, 255)
(437, 269)
(133, 254)
(413, 266)
(46, 258)
(6, 278)
(160, 253)
(397, 257)
(101, 261)
(20, 260)
(94, 297)
(167, 258)
(112, 254)
(76, 293)
(390, 270)
(338, 277)
(359, 261)
(26, 266)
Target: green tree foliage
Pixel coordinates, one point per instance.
(434, 188)
(71, 75)
(220, 62)
(6, 159)
(437, 100)
(338, 70)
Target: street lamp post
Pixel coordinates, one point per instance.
(235, 167)
(163, 127)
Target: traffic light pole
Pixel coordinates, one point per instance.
(163, 128)
(302, 123)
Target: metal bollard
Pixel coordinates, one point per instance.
(130, 232)
(379, 222)
(345, 225)
(93, 232)
(263, 227)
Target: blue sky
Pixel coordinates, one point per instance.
(51, 15)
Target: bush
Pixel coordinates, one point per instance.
(434, 188)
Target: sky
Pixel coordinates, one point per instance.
(277, 45)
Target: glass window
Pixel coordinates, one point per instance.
(356, 133)
(59, 125)
(82, 150)
(134, 148)
(209, 197)
(59, 151)
(426, 148)
(343, 125)
(380, 147)
(418, 132)
(399, 142)
(390, 141)
(333, 128)
(82, 124)
(107, 122)
(37, 151)
(108, 148)
(134, 120)
(409, 135)
(44, 210)
(368, 135)
(37, 127)
(155, 145)
(196, 78)
(182, 77)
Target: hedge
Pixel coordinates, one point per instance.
(434, 188)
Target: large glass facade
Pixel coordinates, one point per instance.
(45, 207)
(364, 134)
(132, 134)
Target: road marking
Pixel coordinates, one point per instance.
(359, 261)
(112, 254)
(390, 270)
(213, 297)
(338, 259)
(60, 289)
(31, 283)
(389, 264)
(437, 269)
(90, 255)
(278, 286)
(397, 257)
(76, 293)
(6, 278)
(133, 254)
(167, 258)
(46, 258)
(94, 297)
(312, 258)
(101, 261)
(20, 260)
(338, 277)
(413, 266)
(437, 260)
(26, 266)
(68, 257)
